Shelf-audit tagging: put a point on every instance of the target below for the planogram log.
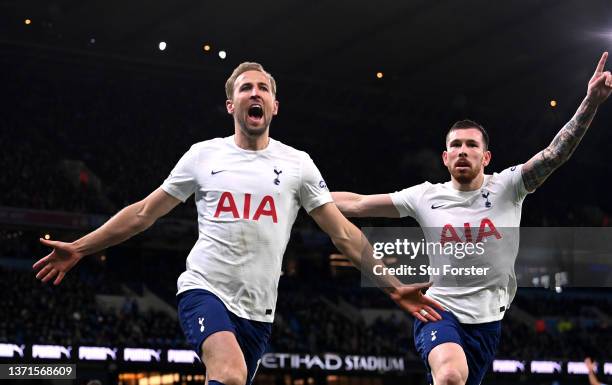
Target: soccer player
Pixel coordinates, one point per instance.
(248, 189)
(459, 348)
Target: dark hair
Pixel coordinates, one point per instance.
(467, 123)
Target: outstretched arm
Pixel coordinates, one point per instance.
(125, 224)
(356, 205)
(352, 243)
(538, 168)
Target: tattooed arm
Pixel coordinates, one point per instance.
(538, 168)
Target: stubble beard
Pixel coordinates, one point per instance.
(464, 177)
(253, 131)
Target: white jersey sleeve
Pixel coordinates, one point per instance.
(313, 190)
(181, 182)
(406, 201)
(512, 178)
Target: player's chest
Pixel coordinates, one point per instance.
(248, 174)
(482, 208)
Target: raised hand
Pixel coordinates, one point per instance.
(600, 85)
(589, 364)
(411, 299)
(57, 263)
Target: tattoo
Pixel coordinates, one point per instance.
(538, 168)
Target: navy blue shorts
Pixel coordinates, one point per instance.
(201, 313)
(479, 342)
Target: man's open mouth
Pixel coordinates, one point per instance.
(255, 111)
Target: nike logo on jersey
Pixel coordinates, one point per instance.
(433, 207)
(213, 172)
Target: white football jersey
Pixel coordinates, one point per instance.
(247, 202)
(491, 214)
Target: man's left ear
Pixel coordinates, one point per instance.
(275, 110)
(487, 158)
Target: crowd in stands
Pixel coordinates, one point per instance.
(68, 314)
(308, 319)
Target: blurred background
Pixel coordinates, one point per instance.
(100, 99)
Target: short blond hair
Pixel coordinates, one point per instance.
(244, 67)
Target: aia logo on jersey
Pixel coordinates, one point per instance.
(227, 204)
(485, 230)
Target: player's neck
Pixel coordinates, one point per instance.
(251, 142)
(473, 185)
